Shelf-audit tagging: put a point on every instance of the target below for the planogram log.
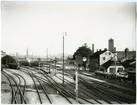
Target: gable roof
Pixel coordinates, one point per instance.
(107, 64)
(97, 53)
(129, 63)
(110, 63)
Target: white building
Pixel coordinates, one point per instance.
(114, 68)
(106, 56)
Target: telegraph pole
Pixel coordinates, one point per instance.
(79, 61)
(55, 65)
(63, 55)
(47, 53)
(63, 59)
(76, 86)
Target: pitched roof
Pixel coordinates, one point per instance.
(96, 54)
(129, 63)
(111, 63)
(107, 64)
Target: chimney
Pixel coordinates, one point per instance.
(126, 52)
(93, 48)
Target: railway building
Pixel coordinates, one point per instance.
(112, 67)
(8, 59)
(13, 61)
(106, 56)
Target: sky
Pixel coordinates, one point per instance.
(41, 26)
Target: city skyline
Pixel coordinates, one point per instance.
(40, 25)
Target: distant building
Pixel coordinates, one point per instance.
(27, 52)
(3, 53)
(17, 54)
(124, 55)
(111, 45)
(70, 60)
(93, 48)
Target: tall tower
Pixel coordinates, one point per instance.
(47, 53)
(111, 45)
(93, 48)
(27, 52)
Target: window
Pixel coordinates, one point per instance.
(112, 70)
(103, 58)
(120, 69)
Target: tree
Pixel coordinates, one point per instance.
(94, 60)
(93, 65)
(83, 51)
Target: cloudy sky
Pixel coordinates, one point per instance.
(40, 25)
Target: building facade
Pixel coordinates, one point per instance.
(114, 68)
(106, 56)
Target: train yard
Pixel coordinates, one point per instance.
(31, 85)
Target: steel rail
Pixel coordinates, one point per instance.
(68, 90)
(56, 88)
(44, 90)
(102, 91)
(96, 94)
(13, 91)
(35, 87)
(82, 89)
(18, 88)
(16, 74)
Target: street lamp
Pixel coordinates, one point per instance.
(64, 33)
(84, 60)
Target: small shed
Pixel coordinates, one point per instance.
(115, 67)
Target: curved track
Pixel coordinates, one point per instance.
(19, 99)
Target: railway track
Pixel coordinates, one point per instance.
(19, 78)
(107, 92)
(100, 94)
(80, 97)
(127, 91)
(99, 88)
(58, 88)
(63, 90)
(81, 89)
(88, 91)
(43, 88)
(113, 92)
(18, 97)
(52, 85)
(13, 99)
